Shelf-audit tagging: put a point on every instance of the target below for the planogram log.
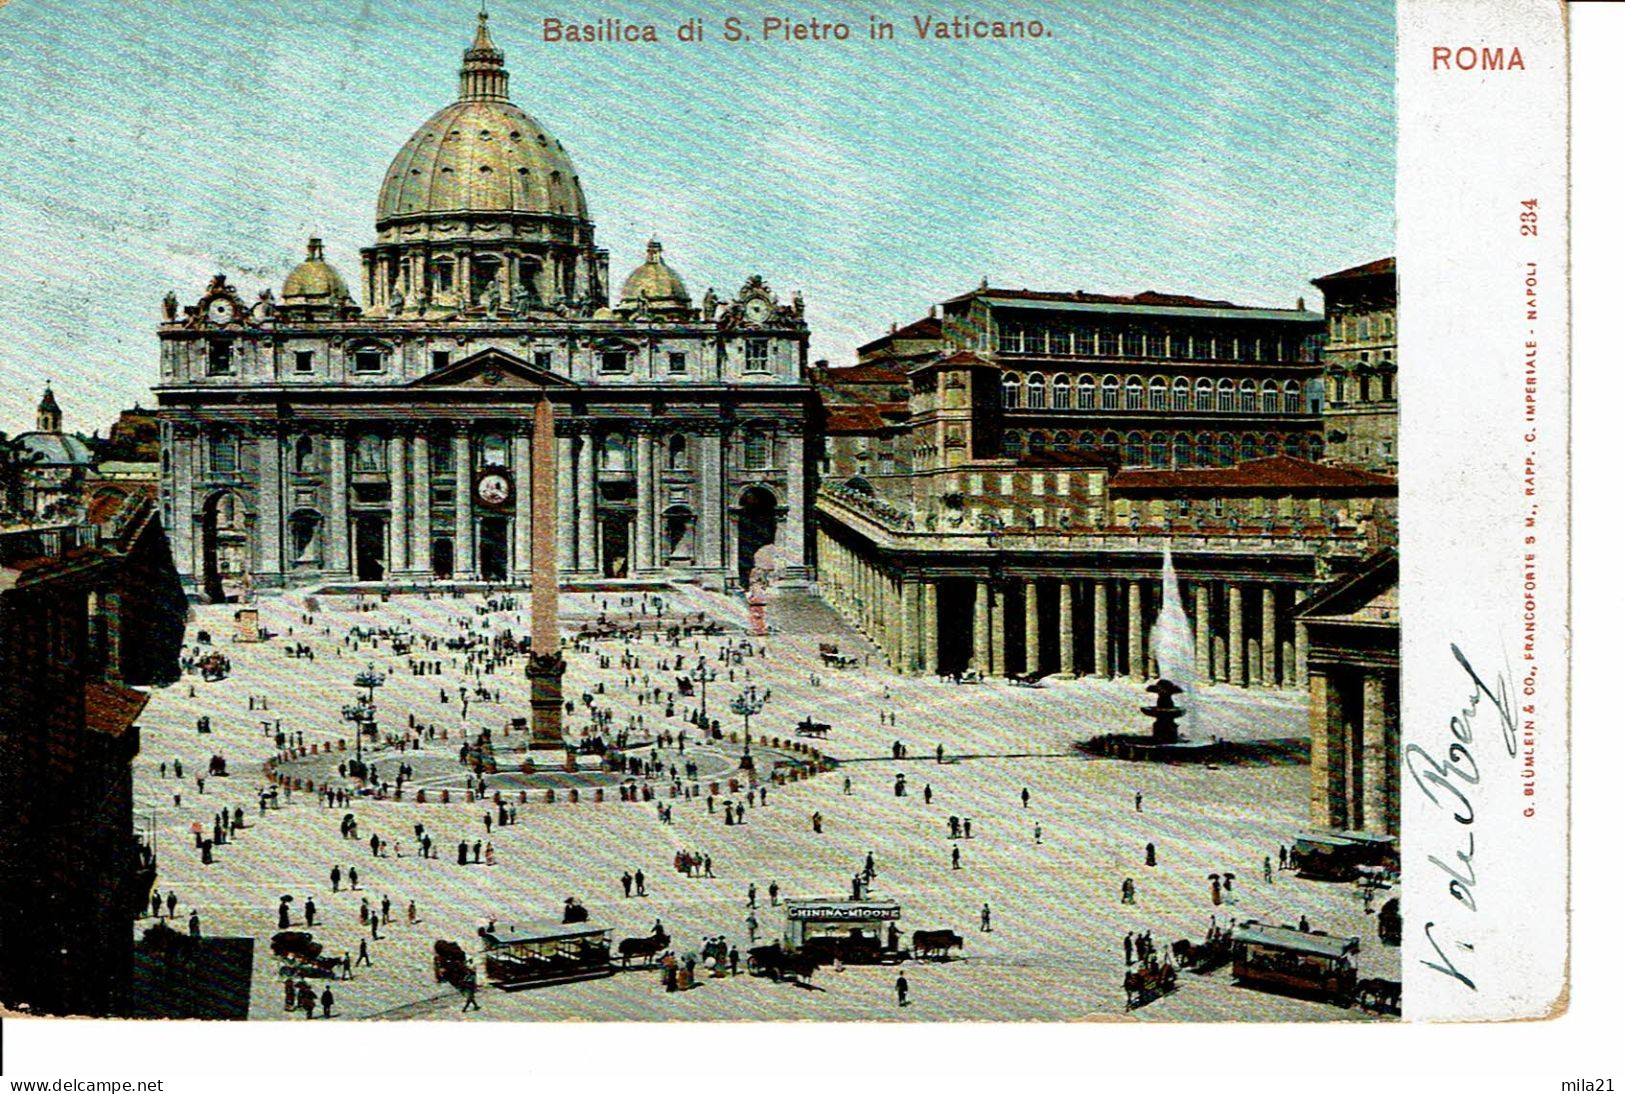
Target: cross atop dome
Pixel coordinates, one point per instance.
(484, 77)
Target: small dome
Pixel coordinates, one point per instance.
(656, 284)
(313, 281)
(54, 449)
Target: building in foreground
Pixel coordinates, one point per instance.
(89, 613)
(321, 439)
(1362, 366)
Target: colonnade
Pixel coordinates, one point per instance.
(1353, 745)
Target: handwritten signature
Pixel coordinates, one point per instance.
(1457, 776)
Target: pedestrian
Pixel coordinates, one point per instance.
(307, 1000)
(1128, 890)
(750, 896)
(773, 893)
(290, 995)
(374, 924)
(344, 967)
(1283, 856)
(1038, 833)
(902, 990)
(462, 853)
(282, 920)
(1150, 854)
(939, 753)
(869, 866)
(327, 1002)
(1128, 949)
(964, 828)
(335, 876)
(1026, 798)
(1303, 924)
(733, 961)
(751, 926)
(987, 918)
(488, 824)
(170, 902)
(411, 913)
(1269, 873)
(157, 905)
(193, 927)
(310, 911)
(927, 793)
(956, 856)
(1138, 799)
(362, 956)
(355, 878)
(470, 987)
(626, 884)
(637, 879)
(383, 906)
(846, 784)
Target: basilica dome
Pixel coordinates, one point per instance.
(481, 154)
(314, 281)
(655, 285)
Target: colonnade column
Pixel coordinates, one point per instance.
(1103, 660)
(1300, 641)
(1029, 596)
(338, 506)
(397, 504)
(1328, 762)
(1235, 647)
(1378, 808)
(1268, 641)
(587, 506)
(911, 626)
(1136, 631)
(996, 625)
(565, 517)
(270, 503)
(712, 554)
(462, 467)
(928, 629)
(523, 529)
(182, 516)
(420, 505)
(646, 501)
(1069, 659)
(1204, 635)
(981, 635)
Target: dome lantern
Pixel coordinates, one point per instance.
(484, 77)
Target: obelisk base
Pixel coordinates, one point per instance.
(546, 674)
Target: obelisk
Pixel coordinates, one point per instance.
(546, 667)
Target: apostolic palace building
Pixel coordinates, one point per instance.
(318, 440)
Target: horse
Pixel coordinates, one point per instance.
(1378, 994)
(646, 948)
(935, 943)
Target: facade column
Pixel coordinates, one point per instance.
(791, 535)
(1029, 596)
(1204, 635)
(981, 657)
(420, 505)
(911, 626)
(1235, 647)
(996, 625)
(182, 516)
(1300, 640)
(1380, 809)
(1136, 631)
(565, 519)
(1103, 655)
(713, 553)
(587, 506)
(397, 504)
(338, 506)
(928, 630)
(1270, 679)
(462, 463)
(269, 525)
(523, 528)
(1328, 760)
(1069, 659)
(645, 555)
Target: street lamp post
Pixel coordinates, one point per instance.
(704, 676)
(745, 706)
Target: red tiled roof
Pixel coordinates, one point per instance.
(859, 418)
(865, 374)
(1271, 471)
(1370, 269)
(1149, 298)
(111, 709)
(924, 329)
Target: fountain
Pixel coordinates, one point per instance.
(1164, 714)
(1174, 645)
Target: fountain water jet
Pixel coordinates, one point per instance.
(1172, 641)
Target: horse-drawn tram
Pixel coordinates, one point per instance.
(854, 932)
(530, 957)
(1340, 856)
(1291, 961)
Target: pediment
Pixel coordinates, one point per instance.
(492, 368)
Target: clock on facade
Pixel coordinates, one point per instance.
(756, 310)
(220, 311)
(494, 488)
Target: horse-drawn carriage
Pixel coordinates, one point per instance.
(1389, 922)
(647, 948)
(809, 728)
(1343, 856)
(527, 957)
(1205, 956)
(1026, 679)
(1148, 981)
(778, 963)
(451, 964)
(832, 657)
(214, 666)
(301, 955)
(848, 931)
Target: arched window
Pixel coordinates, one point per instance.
(1251, 447)
(1296, 445)
(1012, 391)
(1272, 444)
(1317, 448)
(1038, 442)
(1035, 392)
(304, 455)
(1086, 393)
(1134, 394)
(223, 453)
(1339, 382)
(679, 532)
(615, 454)
(1182, 394)
(1108, 393)
(1112, 447)
(1159, 393)
(1204, 394)
(304, 526)
(1365, 387)
(1227, 395)
(1225, 453)
(1182, 450)
(758, 448)
(1063, 441)
(1062, 390)
(1272, 397)
(1010, 445)
(1294, 398)
(1134, 450)
(1085, 442)
(494, 449)
(677, 452)
(1249, 397)
(1207, 450)
(1159, 450)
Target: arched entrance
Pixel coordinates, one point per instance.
(758, 527)
(369, 547)
(615, 544)
(223, 543)
(493, 549)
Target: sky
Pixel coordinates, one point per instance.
(1227, 151)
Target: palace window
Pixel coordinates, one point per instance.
(304, 361)
(1227, 395)
(1179, 345)
(1039, 442)
(1063, 393)
(1201, 348)
(1134, 394)
(303, 526)
(756, 355)
(1293, 402)
(223, 454)
(677, 453)
(1204, 394)
(1134, 450)
(1035, 392)
(219, 358)
(542, 359)
(677, 363)
(1159, 393)
(369, 361)
(1251, 449)
(1009, 340)
(1063, 441)
(615, 453)
(1086, 393)
(440, 359)
(1272, 397)
(1249, 397)
(1159, 450)
(1134, 343)
(1108, 393)
(1010, 445)
(1207, 450)
(304, 456)
(758, 448)
(369, 452)
(1365, 328)
(494, 449)
(1182, 450)
(1182, 394)
(1012, 391)
(613, 360)
(1112, 446)
(1226, 454)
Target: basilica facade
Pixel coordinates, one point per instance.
(317, 440)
